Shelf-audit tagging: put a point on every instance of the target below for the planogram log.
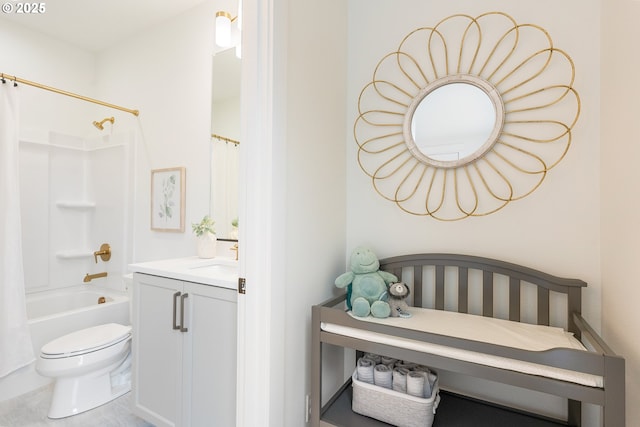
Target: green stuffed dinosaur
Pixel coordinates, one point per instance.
(367, 285)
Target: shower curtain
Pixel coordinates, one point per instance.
(16, 349)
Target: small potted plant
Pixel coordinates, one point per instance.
(234, 229)
(206, 234)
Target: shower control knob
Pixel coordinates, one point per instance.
(104, 253)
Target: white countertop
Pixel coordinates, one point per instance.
(218, 271)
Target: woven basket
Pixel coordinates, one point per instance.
(393, 407)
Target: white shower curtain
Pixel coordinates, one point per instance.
(16, 349)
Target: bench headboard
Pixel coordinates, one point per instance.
(517, 275)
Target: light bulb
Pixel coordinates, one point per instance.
(223, 29)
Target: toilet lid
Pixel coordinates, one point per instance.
(87, 340)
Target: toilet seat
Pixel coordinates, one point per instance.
(86, 341)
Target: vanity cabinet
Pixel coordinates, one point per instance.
(184, 352)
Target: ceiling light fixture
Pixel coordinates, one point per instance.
(227, 34)
(223, 28)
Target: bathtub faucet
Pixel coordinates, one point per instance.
(90, 277)
(104, 253)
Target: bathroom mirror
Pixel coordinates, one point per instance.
(224, 144)
(466, 116)
(455, 122)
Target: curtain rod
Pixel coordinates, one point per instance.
(64, 92)
(222, 138)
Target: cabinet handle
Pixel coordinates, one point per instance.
(175, 308)
(182, 298)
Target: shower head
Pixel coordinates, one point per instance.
(100, 124)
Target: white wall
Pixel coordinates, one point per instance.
(165, 72)
(314, 211)
(226, 118)
(32, 56)
(620, 175)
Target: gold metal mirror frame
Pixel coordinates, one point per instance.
(530, 83)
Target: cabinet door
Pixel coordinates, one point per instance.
(210, 356)
(157, 351)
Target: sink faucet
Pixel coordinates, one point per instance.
(235, 248)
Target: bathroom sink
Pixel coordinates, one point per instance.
(219, 271)
(223, 271)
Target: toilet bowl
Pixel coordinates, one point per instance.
(90, 367)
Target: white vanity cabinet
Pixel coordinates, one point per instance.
(184, 352)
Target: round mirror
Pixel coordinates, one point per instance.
(433, 131)
(454, 121)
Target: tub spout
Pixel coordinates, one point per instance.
(90, 277)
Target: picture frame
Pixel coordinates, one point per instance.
(168, 199)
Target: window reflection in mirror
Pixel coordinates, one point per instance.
(225, 124)
(453, 122)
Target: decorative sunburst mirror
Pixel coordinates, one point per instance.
(466, 116)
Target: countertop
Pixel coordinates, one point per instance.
(219, 271)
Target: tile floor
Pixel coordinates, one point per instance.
(30, 410)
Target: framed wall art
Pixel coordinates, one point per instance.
(168, 199)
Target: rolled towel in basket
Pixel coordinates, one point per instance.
(365, 370)
(416, 381)
(431, 377)
(430, 380)
(400, 379)
(375, 358)
(409, 365)
(389, 361)
(383, 376)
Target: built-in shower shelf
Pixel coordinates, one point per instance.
(75, 205)
(71, 254)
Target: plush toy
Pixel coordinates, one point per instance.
(398, 293)
(366, 284)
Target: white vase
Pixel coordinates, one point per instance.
(207, 245)
(233, 234)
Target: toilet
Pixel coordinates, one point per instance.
(90, 367)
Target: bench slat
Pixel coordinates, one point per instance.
(514, 299)
(487, 293)
(463, 290)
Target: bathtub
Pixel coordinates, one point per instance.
(58, 312)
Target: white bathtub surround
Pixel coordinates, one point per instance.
(77, 195)
(16, 350)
